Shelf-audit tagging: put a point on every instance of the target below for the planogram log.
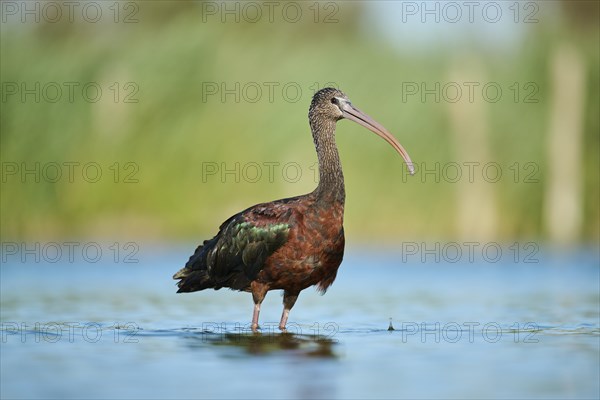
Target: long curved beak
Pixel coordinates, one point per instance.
(354, 114)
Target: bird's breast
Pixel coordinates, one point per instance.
(313, 252)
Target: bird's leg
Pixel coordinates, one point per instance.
(255, 317)
(289, 299)
(259, 291)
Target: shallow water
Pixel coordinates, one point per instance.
(469, 329)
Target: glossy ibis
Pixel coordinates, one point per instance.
(287, 244)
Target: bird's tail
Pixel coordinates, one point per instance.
(192, 280)
(194, 276)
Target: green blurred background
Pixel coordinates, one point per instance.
(163, 122)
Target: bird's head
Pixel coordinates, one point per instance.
(329, 105)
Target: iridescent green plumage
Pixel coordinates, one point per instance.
(234, 257)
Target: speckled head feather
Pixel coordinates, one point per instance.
(325, 106)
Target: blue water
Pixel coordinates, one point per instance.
(100, 327)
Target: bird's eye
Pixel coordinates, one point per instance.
(334, 100)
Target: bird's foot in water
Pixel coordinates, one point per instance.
(255, 328)
(284, 319)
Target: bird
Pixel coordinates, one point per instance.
(292, 243)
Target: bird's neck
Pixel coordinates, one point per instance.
(331, 178)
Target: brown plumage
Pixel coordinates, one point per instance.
(287, 244)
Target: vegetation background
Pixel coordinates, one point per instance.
(203, 114)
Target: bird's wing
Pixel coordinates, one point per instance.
(247, 242)
(238, 252)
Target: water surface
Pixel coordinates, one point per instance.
(468, 329)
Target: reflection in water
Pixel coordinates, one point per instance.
(301, 366)
(269, 343)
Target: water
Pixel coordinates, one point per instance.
(76, 329)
